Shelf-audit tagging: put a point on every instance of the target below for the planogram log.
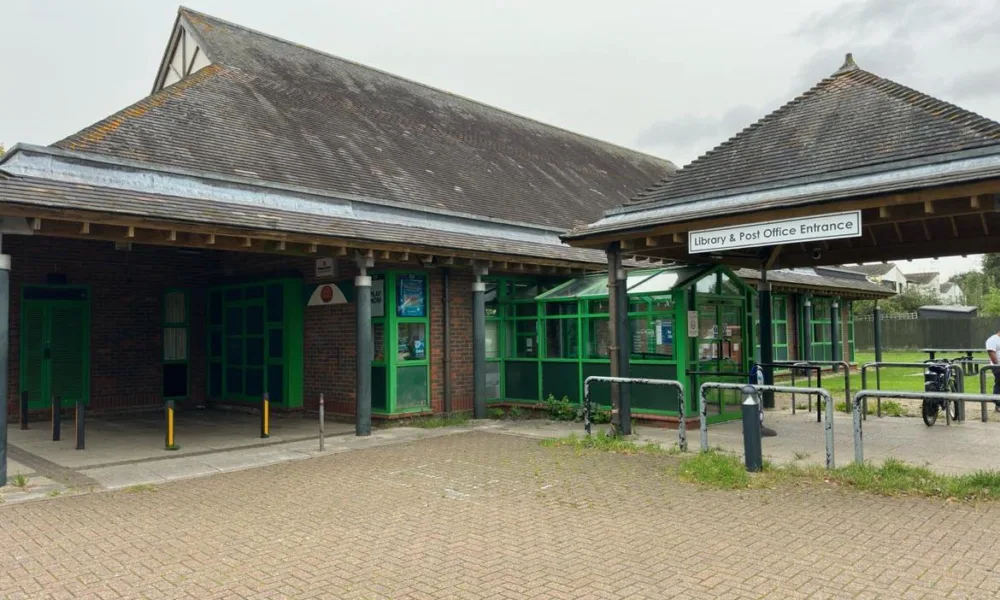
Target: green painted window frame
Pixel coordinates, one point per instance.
(186, 325)
(850, 331)
(779, 320)
(390, 322)
(822, 307)
(291, 326)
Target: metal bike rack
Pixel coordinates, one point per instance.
(783, 389)
(982, 385)
(864, 394)
(804, 366)
(681, 425)
(956, 370)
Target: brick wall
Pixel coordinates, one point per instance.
(126, 344)
(126, 304)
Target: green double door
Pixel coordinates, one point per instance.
(55, 345)
(720, 349)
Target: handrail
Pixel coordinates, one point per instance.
(960, 378)
(681, 425)
(784, 389)
(863, 394)
(982, 386)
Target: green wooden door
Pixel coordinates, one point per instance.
(55, 344)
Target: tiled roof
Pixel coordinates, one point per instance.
(852, 119)
(808, 278)
(920, 278)
(283, 113)
(875, 270)
(33, 192)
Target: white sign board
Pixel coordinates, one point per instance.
(773, 233)
(325, 267)
(378, 297)
(693, 323)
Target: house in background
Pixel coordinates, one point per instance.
(886, 274)
(929, 282)
(951, 294)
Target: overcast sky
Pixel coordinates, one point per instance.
(670, 77)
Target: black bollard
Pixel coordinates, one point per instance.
(79, 424)
(56, 418)
(751, 430)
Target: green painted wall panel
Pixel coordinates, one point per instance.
(521, 380)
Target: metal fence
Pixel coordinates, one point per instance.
(926, 333)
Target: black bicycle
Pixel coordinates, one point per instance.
(938, 378)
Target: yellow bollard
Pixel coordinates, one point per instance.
(170, 426)
(265, 410)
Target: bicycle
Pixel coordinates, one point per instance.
(938, 378)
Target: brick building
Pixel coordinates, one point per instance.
(270, 209)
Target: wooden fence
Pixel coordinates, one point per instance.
(926, 333)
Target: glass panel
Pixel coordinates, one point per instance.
(781, 333)
(708, 284)
(275, 345)
(215, 344)
(662, 282)
(732, 335)
(378, 342)
(492, 339)
(254, 292)
(522, 339)
(175, 343)
(255, 382)
(652, 338)
(522, 290)
(255, 351)
(638, 305)
(234, 351)
(729, 286)
(598, 338)
(410, 342)
(493, 380)
(215, 308)
(663, 304)
(561, 339)
(492, 297)
(275, 303)
(577, 287)
(255, 320)
(234, 320)
(276, 383)
(234, 380)
(234, 295)
(175, 308)
(560, 308)
(524, 310)
(598, 307)
(411, 387)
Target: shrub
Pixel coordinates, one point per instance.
(560, 410)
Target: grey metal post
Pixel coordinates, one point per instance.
(766, 335)
(365, 350)
(4, 340)
(322, 424)
(837, 352)
(859, 452)
(752, 451)
(80, 419)
(479, 345)
(877, 329)
(621, 412)
(703, 416)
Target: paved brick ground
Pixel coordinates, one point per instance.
(481, 515)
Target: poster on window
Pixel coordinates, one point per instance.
(411, 300)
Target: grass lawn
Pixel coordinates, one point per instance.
(892, 378)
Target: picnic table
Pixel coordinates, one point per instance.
(967, 357)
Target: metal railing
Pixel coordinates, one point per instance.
(860, 397)
(781, 389)
(807, 368)
(982, 385)
(677, 385)
(956, 370)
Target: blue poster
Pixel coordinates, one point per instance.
(410, 297)
(667, 332)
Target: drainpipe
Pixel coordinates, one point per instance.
(446, 276)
